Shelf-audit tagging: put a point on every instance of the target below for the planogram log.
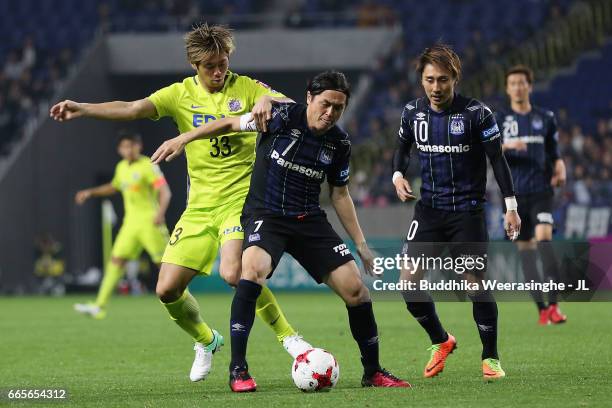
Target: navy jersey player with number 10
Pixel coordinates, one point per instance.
(453, 135)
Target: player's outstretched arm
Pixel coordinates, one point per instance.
(116, 110)
(172, 148)
(344, 207)
(101, 191)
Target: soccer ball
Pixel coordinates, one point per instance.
(315, 370)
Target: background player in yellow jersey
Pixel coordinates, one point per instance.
(219, 172)
(146, 196)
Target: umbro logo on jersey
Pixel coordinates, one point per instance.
(197, 106)
(420, 115)
(409, 107)
(295, 132)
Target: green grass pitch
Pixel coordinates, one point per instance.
(138, 357)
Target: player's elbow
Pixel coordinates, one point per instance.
(338, 194)
(139, 109)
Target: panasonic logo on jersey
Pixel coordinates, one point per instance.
(307, 171)
(444, 149)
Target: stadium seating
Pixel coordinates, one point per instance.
(479, 30)
(569, 90)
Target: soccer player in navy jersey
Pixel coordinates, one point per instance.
(300, 147)
(530, 145)
(453, 135)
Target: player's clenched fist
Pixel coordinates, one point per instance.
(66, 110)
(82, 196)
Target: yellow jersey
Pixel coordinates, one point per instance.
(219, 168)
(138, 182)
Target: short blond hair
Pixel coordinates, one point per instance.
(205, 41)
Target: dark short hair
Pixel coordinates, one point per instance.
(520, 69)
(132, 136)
(442, 55)
(329, 81)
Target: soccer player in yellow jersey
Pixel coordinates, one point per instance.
(146, 196)
(219, 172)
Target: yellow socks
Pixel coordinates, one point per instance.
(112, 275)
(185, 311)
(269, 311)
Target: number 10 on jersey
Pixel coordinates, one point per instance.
(421, 128)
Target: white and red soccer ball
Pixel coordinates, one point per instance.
(315, 370)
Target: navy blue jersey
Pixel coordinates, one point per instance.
(451, 149)
(291, 164)
(531, 168)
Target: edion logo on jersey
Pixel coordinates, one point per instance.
(443, 149)
(296, 167)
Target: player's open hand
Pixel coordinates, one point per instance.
(367, 258)
(169, 150)
(262, 113)
(66, 110)
(512, 224)
(403, 189)
(82, 196)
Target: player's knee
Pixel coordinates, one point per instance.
(167, 293)
(230, 271)
(256, 265)
(117, 261)
(254, 271)
(356, 294)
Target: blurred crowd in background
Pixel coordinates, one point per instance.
(46, 51)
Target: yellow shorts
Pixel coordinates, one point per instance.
(199, 234)
(135, 236)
